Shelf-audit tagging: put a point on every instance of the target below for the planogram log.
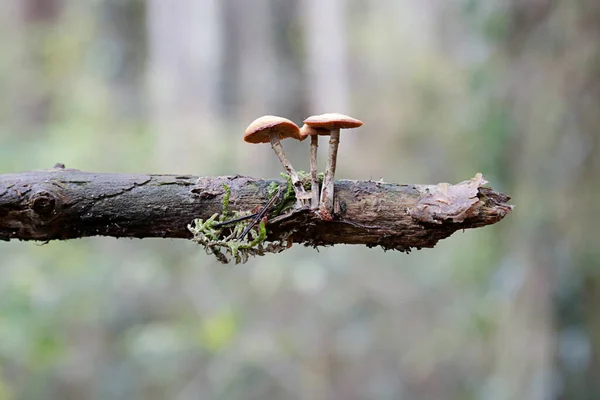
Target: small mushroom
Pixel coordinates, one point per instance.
(332, 123)
(271, 129)
(314, 133)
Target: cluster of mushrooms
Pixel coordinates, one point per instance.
(272, 129)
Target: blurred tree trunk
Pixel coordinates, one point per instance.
(184, 44)
(40, 11)
(261, 67)
(526, 325)
(553, 94)
(252, 26)
(326, 53)
(122, 26)
(579, 165)
(32, 20)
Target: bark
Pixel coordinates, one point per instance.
(327, 73)
(67, 203)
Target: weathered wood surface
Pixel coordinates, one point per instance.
(59, 204)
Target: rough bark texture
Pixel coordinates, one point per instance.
(67, 203)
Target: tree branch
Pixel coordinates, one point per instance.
(66, 203)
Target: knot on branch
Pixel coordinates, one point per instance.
(43, 203)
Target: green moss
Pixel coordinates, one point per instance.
(289, 197)
(272, 189)
(238, 248)
(225, 202)
(262, 235)
(222, 242)
(206, 227)
(306, 179)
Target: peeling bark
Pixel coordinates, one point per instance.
(67, 203)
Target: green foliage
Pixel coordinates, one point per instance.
(492, 22)
(218, 330)
(5, 391)
(499, 125)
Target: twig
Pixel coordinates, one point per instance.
(260, 214)
(235, 220)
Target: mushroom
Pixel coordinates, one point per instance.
(332, 122)
(271, 129)
(314, 133)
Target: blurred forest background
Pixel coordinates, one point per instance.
(510, 88)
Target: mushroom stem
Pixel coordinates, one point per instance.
(298, 188)
(326, 206)
(314, 188)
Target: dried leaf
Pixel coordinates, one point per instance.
(449, 202)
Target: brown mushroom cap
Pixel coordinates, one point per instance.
(260, 130)
(332, 121)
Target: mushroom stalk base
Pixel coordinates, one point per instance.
(326, 207)
(298, 188)
(314, 145)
